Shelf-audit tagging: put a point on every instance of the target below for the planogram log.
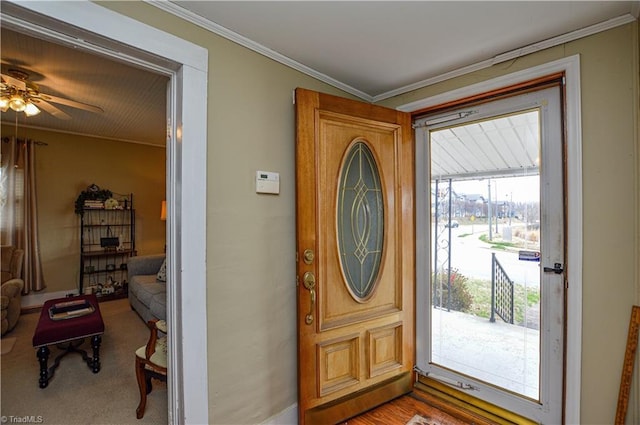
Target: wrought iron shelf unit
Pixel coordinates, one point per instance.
(107, 241)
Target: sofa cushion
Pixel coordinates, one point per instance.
(144, 287)
(158, 306)
(147, 295)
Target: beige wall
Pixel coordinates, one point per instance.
(65, 168)
(251, 291)
(250, 238)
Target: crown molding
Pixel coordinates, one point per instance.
(635, 9)
(512, 54)
(195, 19)
(189, 16)
(565, 38)
(89, 135)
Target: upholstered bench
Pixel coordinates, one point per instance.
(67, 330)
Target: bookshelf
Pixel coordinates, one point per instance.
(107, 240)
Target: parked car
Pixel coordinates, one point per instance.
(453, 224)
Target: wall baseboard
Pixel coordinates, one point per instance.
(288, 416)
(35, 301)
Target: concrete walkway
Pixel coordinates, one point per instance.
(498, 353)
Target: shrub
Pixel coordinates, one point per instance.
(530, 235)
(460, 300)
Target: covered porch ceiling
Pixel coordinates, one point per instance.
(508, 146)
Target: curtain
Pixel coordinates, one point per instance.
(19, 210)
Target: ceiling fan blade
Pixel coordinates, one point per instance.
(69, 102)
(43, 104)
(19, 84)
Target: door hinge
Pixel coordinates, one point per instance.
(419, 371)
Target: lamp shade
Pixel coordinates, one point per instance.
(17, 103)
(31, 110)
(163, 211)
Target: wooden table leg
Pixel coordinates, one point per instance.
(43, 356)
(95, 344)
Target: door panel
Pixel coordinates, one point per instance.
(354, 180)
(338, 133)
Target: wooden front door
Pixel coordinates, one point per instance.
(355, 246)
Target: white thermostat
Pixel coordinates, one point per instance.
(267, 182)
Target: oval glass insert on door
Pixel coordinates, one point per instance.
(360, 221)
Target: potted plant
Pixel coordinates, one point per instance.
(91, 193)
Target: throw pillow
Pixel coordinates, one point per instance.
(162, 273)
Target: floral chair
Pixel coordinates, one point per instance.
(151, 362)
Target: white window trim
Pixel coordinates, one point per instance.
(571, 67)
(188, 393)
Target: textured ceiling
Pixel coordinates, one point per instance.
(133, 100)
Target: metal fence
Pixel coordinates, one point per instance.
(502, 290)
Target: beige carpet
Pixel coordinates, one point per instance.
(75, 395)
(6, 344)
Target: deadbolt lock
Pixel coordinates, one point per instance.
(308, 256)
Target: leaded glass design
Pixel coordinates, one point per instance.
(360, 217)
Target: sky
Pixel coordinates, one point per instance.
(518, 189)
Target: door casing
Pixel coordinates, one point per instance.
(547, 101)
(188, 392)
(570, 66)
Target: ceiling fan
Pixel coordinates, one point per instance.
(22, 95)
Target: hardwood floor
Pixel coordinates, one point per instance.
(402, 409)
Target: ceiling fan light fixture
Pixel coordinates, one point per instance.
(17, 103)
(21, 95)
(31, 110)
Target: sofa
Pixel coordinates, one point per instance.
(148, 286)
(11, 262)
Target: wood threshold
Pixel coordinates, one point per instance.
(435, 410)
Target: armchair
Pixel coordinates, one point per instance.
(12, 284)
